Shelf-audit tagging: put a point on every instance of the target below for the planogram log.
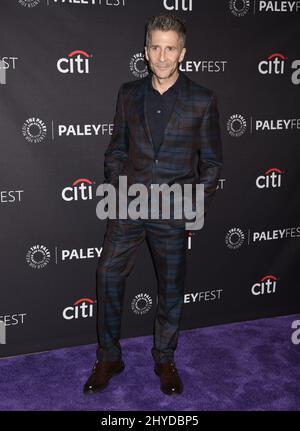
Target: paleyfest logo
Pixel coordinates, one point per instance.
(34, 130)
(236, 125)
(234, 238)
(38, 256)
(29, 3)
(138, 66)
(141, 303)
(240, 8)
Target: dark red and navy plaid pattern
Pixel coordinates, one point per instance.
(191, 151)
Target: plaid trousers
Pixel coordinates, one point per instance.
(167, 246)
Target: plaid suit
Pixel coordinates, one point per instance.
(190, 153)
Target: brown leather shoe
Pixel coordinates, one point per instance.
(170, 382)
(101, 374)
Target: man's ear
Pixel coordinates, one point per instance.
(146, 53)
(182, 54)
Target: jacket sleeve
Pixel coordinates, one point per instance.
(117, 151)
(210, 152)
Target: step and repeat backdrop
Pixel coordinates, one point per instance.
(62, 63)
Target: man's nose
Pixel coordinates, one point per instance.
(162, 56)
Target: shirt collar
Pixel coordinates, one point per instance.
(172, 90)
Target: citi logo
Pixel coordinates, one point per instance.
(184, 5)
(83, 308)
(270, 179)
(274, 64)
(76, 62)
(267, 284)
(81, 189)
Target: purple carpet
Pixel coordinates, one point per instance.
(243, 366)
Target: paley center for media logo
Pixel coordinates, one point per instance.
(34, 130)
(237, 125)
(138, 65)
(39, 256)
(235, 237)
(241, 8)
(141, 303)
(29, 3)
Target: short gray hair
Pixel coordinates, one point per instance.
(166, 22)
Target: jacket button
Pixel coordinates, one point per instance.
(156, 160)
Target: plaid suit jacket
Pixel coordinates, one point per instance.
(191, 151)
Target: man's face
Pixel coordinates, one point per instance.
(164, 53)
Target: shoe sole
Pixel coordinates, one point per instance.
(115, 373)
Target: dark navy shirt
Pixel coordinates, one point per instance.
(159, 109)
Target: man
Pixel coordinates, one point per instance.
(163, 124)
